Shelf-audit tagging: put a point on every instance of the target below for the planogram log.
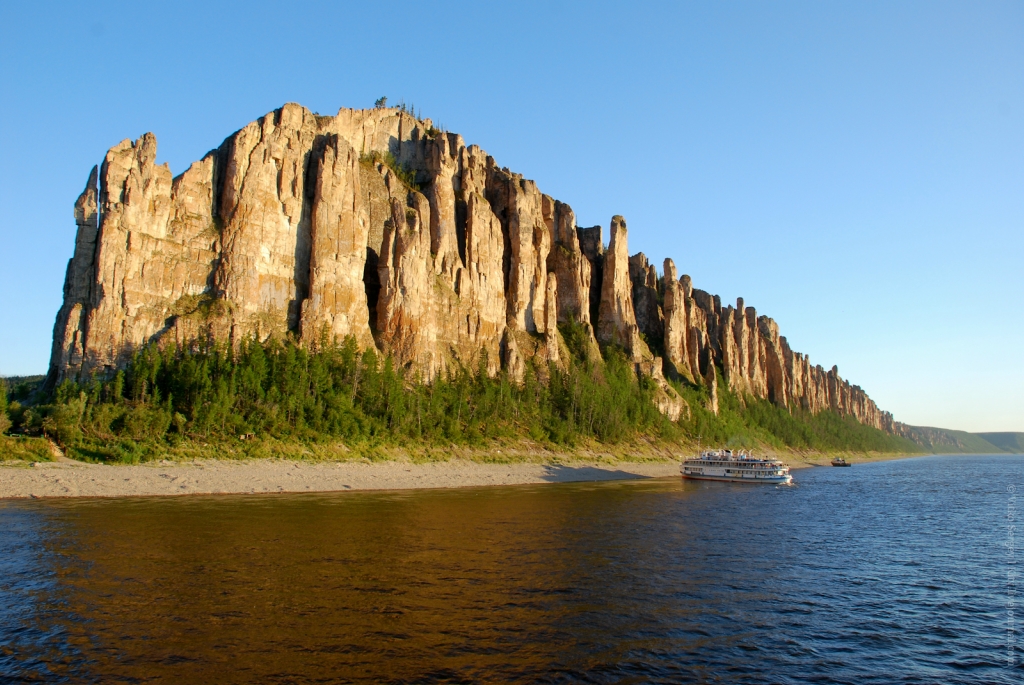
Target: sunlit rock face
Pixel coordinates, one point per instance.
(375, 225)
(616, 319)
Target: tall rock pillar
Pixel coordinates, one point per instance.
(616, 322)
(676, 333)
(69, 329)
(567, 262)
(336, 306)
(135, 203)
(551, 318)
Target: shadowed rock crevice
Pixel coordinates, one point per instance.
(593, 250)
(460, 227)
(371, 285)
(303, 241)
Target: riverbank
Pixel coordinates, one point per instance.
(391, 470)
(205, 477)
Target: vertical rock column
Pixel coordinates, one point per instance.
(774, 361)
(592, 247)
(705, 317)
(697, 343)
(406, 321)
(676, 333)
(551, 319)
(519, 204)
(264, 269)
(732, 358)
(743, 348)
(616, 322)
(69, 330)
(135, 204)
(568, 263)
(443, 165)
(336, 306)
(644, 277)
(711, 380)
(757, 362)
(481, 287)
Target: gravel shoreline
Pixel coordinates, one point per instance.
(67, 478)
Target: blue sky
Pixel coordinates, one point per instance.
(853, 169)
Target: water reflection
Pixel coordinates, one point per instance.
(854, 574)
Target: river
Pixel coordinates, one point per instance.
(885, 572)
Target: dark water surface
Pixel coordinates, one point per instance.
(880, 573)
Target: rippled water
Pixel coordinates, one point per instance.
(881, 573)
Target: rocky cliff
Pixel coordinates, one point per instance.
(376, 225)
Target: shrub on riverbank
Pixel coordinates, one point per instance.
(25, 449)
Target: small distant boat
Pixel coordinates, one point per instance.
(735, 468)
(839, 461)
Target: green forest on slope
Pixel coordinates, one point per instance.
(1008, 442)
(280, 392)
(949, 441)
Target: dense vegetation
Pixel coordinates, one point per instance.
(5, 421)
(280, 391)
(755, 420)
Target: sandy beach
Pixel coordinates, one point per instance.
(66, 478)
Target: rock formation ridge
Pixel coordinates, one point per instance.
(376, 225)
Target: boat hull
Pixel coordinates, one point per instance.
(773, 480)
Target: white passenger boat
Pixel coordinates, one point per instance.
(737, 468)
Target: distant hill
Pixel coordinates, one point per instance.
(1008, 442)
(947, 441)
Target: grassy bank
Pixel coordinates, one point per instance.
(25, 449)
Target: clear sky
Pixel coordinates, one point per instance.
(853, 169)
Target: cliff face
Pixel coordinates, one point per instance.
(297, 224)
